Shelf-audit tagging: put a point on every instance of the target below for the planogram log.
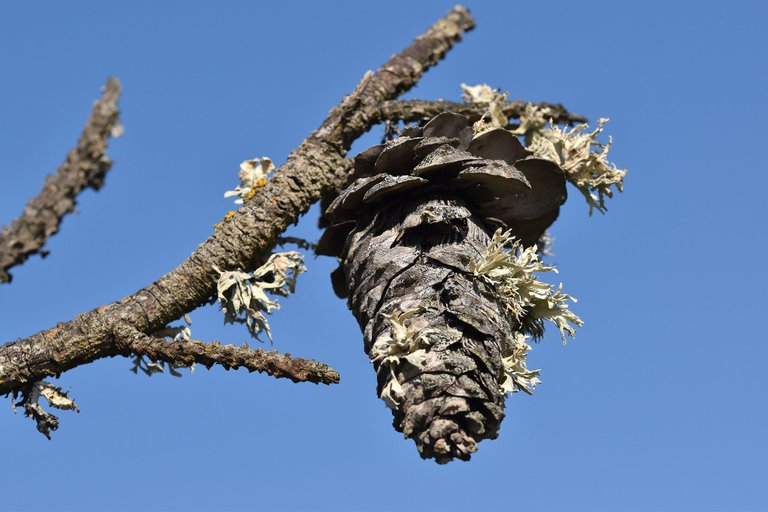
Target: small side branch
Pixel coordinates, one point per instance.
(420, 110)
(187, 352)
(85, 167)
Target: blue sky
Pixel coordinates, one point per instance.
(659, 403)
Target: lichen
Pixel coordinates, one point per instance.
(583, 160)
(493, 102)
(512, 270)
(174, 333)
(533, 119)
(400, 343)
(226, 218)
(517, 375)
(253, 174)
(56, 398)
(243, 296)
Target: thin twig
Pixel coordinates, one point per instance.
(186, 352)
(421, 110)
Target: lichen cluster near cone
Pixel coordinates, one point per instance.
(415, 233)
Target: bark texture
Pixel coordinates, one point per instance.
(408, 231)
(85, 167)
(184, 353)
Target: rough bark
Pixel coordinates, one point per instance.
(85, 167)
(318, 164)
(187, 352)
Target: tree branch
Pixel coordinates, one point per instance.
(421, 110)
(187, 352)
(318, 164)
(85, 166)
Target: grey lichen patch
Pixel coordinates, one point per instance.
(56, 398)
(173, 333)
(512, 270)
(243, 295)
(517, 375)
(582, 158)
(533, 119)
(148, 367)
(492, 100)
(402, 344)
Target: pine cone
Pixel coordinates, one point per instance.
(421, 209)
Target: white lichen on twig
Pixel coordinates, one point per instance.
(493, 102)
(533, 119)
(401, 344)
(512, 270)
(174, 333)
(517, 376)
(243, 295)
(253, 174)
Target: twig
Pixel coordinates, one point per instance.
(420, 110)
(186, 352)
(85, 167)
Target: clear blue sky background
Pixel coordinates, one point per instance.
(658, 405)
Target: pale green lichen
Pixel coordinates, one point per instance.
(149, 368)
(583, 160)
(512, 270)
(517, 376)
(243, 296)
(493, 102)
(253, 174)
(30, 401)
(174, 333)
(533, 119)
(401, 343)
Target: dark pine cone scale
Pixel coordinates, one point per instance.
(422, 208)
